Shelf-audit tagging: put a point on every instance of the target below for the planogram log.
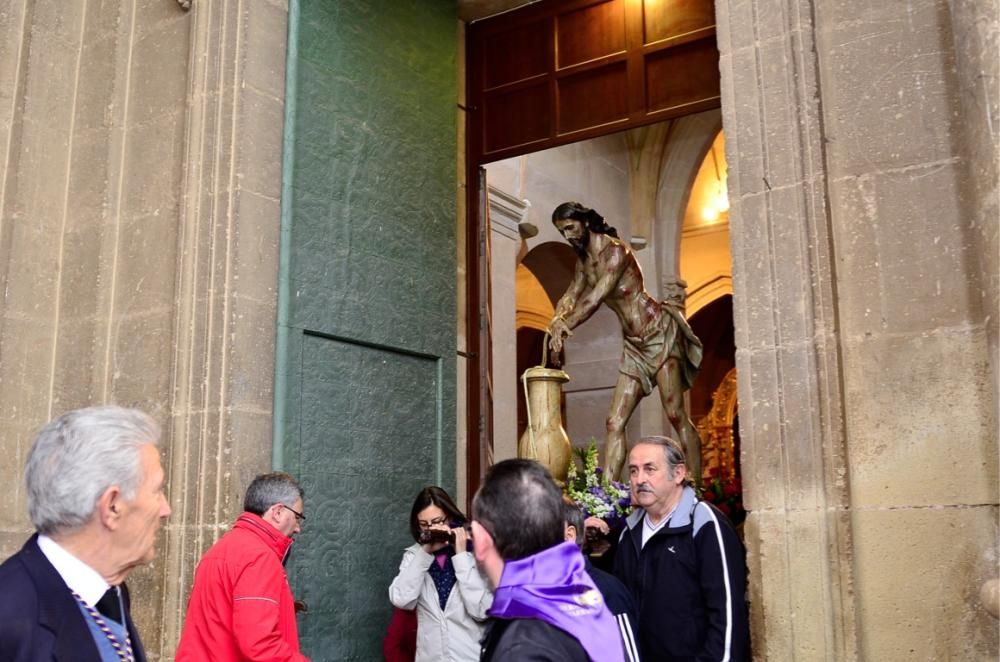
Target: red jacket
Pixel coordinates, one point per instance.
(241, 607)
(400, 643)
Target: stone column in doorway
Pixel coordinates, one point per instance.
(791, 401)
(506, 213)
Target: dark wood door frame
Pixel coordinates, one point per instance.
(556, 72)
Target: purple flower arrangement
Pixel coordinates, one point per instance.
(595, 493)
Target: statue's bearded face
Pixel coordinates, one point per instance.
(575, 232)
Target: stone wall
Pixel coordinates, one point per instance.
(863, 307)
(139, 182)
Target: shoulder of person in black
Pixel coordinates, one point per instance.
(606, 560)
(529, 640)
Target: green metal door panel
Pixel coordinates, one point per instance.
(365, 381)
(362, 458)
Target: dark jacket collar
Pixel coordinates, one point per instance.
(59, 613)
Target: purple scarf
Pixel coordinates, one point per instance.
(553, 586)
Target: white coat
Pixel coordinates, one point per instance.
(453, 634)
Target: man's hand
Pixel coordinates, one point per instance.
(559, 331)
(596, 523)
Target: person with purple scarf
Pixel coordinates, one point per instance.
(545, 605)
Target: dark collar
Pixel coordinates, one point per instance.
(59, 612)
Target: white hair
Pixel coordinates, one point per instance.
(78, 456)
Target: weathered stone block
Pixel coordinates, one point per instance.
(266, 28)
(146, 264)
(902, 271)
(258, 171)
(11, 36)
(155, 188)
(158, 78)
(790, 267)
(77, 369)
(141, 356)
(737, 13)
(86, 194)
(778, 96)
(26, 346)
(97, 78)
(753, 280)
(250, 341)
(760, 430)
(248, 444)
(918, 433)
(31, 288)
(744, 143)
(255, 236)
(918, 573)
(913, 97)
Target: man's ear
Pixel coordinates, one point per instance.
(482, 541)
(680, 471)
(271, 515)
(109, 507)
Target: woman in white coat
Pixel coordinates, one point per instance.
(441, 581)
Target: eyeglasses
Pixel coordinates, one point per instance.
(298, 516)
(437, 521)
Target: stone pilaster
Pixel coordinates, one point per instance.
(799, 534)
(226, 291)
(140, 152)
(506, 213)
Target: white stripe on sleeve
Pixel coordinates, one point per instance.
(725, 575)
(631, 649)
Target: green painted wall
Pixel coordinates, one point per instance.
(365, 393)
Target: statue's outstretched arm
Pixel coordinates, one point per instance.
(612, 267)
(559, 330)
(567, 302)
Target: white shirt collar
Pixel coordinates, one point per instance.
(648, 528)
(79, 577)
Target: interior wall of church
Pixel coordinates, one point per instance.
(140, 156)
(595, 174)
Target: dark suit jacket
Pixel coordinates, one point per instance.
(40, 620)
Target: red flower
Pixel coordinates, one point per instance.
(724, 508)
(730, 489)
(709, 496)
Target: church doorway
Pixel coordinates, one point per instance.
(594, 83)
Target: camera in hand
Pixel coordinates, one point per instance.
(430, 536)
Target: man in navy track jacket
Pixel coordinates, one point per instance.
(683, 562)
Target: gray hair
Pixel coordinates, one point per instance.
(77, 457)
(673, 452)
(269, 489)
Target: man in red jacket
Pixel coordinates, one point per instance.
(241, 607)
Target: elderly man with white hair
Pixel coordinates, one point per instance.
(95, 489)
